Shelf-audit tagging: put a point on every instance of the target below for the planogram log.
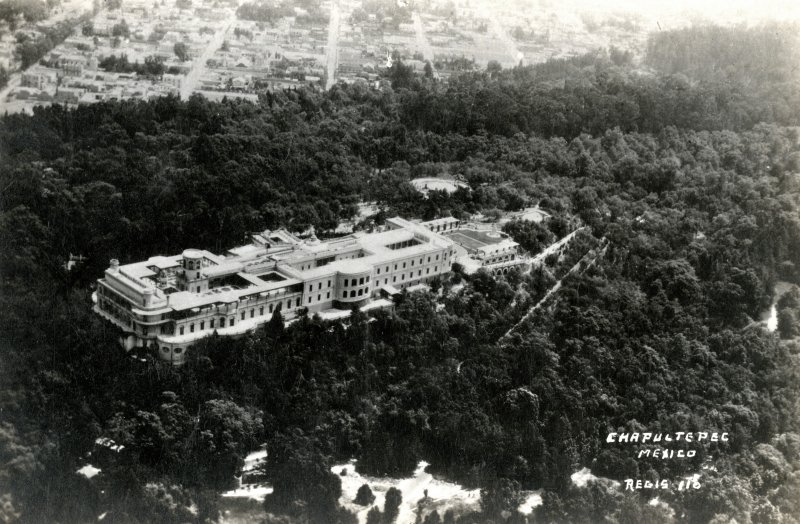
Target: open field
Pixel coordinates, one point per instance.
(437, 184)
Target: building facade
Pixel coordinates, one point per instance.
(173, 301)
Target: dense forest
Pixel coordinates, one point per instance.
(687, 191)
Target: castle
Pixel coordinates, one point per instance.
(173, 301)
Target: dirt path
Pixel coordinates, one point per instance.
(593, 254)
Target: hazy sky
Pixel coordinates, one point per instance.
(723, 11)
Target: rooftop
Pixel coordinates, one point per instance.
(273, 262)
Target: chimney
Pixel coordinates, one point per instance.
(114, 266)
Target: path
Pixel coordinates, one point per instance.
(592, 253)
(332, 51)
(769, 318)
(538, 259)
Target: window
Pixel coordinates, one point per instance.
(395, 267)
(435, 268)
(344, 294)
(144, 330)
(319, 297)
(288, 304)
(387, 268)
(319, 286)
(354, 282)
(198, 289)
(404, 265)
(242, 315)
(297, 302)
(367, 278)
(361, 281)
(198, 275)
(270, 308)
(310, 287)
(202, 326)
(360, 292)
(309, 300)
(403, 276)
(437, 257)
(427, 270)
(429, 260)
(252, 313)
(178, 351)
(394, 279)
(420, 261)
(419, 273)
(329, 283)
(180, 330)
(385, 281)
(379, 271)
(231, 321)
(191, 328)
(412, 264)
(212, 324)
(261, 311)
(346, 282)
(328, 295)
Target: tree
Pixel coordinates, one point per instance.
(181, 51)
(225, 431)
(275, 325)
(391, 506)
(401, 75)
(428, 69)
(121, 30)
(364, 497)
(502, 495)
(787, 325)
(374, 516)
(493, 68)
(303, 485)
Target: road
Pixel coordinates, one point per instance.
(512, 51)
(332, 51)
(194, 75)
(422, 42)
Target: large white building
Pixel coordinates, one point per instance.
(173, 301)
